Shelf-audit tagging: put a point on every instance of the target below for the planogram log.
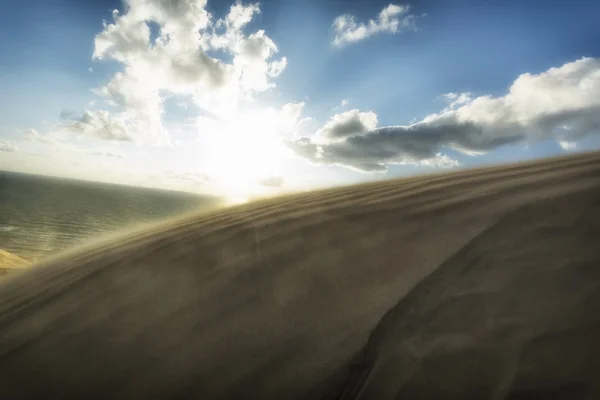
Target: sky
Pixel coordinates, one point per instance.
(244, 99)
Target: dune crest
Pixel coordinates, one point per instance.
(474, 284)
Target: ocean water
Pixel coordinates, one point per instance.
(41, 216)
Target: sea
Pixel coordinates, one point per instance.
(41, 216)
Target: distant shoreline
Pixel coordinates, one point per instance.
(104, 183)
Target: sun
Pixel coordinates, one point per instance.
(243, 150)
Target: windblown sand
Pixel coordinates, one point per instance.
(10, 263)
(481, 284)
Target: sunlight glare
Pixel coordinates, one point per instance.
(244, 149)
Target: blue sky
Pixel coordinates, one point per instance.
(374, 103)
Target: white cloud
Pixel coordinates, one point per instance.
(344, 103)
(567, 146)
(31, 134)
(108, 154)
(288, 117)
(102, 125)
(34, 136)
(251, 60)
(560, 103)
(456, 100)
(211, 61)
(5, 146)
(392, 19)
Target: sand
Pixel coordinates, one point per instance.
(10, 263)
(480, 284)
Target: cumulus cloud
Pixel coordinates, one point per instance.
(102, 125)
(176, 47)
(456, 100)
(347, 124)
(177, 60)
(252, 60)
(392, 19)
(560, 103)
(288, 118)
(5, 146)
(34, 136)
(292, 111)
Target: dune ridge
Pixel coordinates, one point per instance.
(473, 284)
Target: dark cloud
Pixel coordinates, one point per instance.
(348, 128)
(562, 103)
(371, 151)
(69, 115)
(347, 124)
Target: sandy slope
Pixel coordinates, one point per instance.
(11, 263)
(476, 284)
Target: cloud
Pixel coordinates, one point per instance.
(567, 146)
(176, 47)
(293, 111)
(370, 152)
(456, 100)
(561, 103)
(177, 60)
(67, 114)
(102, 125)
(347, 124)
(143, 109)
(392, 19)
(5, 146)
(274, 181)
(34, 136)
(288, 118)
(106, 154)
(252, 60)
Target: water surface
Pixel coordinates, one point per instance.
(41, 216)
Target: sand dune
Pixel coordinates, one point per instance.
(476, 284)
(11, 263)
